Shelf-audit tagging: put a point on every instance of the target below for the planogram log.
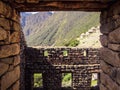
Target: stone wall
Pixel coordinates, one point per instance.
(110, 53)
(52, 62)
(9, 47)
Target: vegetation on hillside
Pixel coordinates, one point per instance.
(58, 29)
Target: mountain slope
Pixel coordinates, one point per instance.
(58, 28)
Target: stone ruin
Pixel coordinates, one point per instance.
(80, 62)
(13, 62)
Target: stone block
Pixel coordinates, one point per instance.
(107, 28)
(32, 1)
(4, 23)
(108, 82)
(9, 50)
(118, 76)
(16, 60)
(11, 67)
(115, 47)
(20, 1)
(15, 16)
(3, 34)
(102, 87)
(3, 68)
(10, 78)
(7, 60)
(110, 57)
(104, 40)
(116, 8)
(16, 26)
(16, 86)
(103, 17)
(15, 37)
(117, 20)
(114, 36)
(111, 71)
(5, 10)
(1, 7)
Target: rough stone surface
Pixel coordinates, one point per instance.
(111, 71)
(7, 60)
(11, 68)
(9, 78)
(16, 17)
(108, 82)
(110, 26)
(1, 6)
(16, 26)
(16, 60)
(110, 57)
(117, 20)
(16, 86)
(4, 23)
(104, 40)
(3, 34)
(3, 68)
(15, 37)
(102, 87)
(114, 36)
(9, 50)
(107, 28)
(118, 76)
(115, 47)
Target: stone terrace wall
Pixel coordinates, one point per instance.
(110, 53)
(9, 48)
(80, 62)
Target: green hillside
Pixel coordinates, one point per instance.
(59, 28)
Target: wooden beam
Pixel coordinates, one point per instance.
(61, 6)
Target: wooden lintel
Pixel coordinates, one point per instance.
(61, 6)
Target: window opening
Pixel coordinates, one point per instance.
(94, 80)
(46, 53)
(65, 53)
(66, 80)
(38, 80)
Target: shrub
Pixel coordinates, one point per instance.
(72, 43)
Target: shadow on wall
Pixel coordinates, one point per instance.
(54, 62)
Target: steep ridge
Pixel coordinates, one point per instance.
(58, 28)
